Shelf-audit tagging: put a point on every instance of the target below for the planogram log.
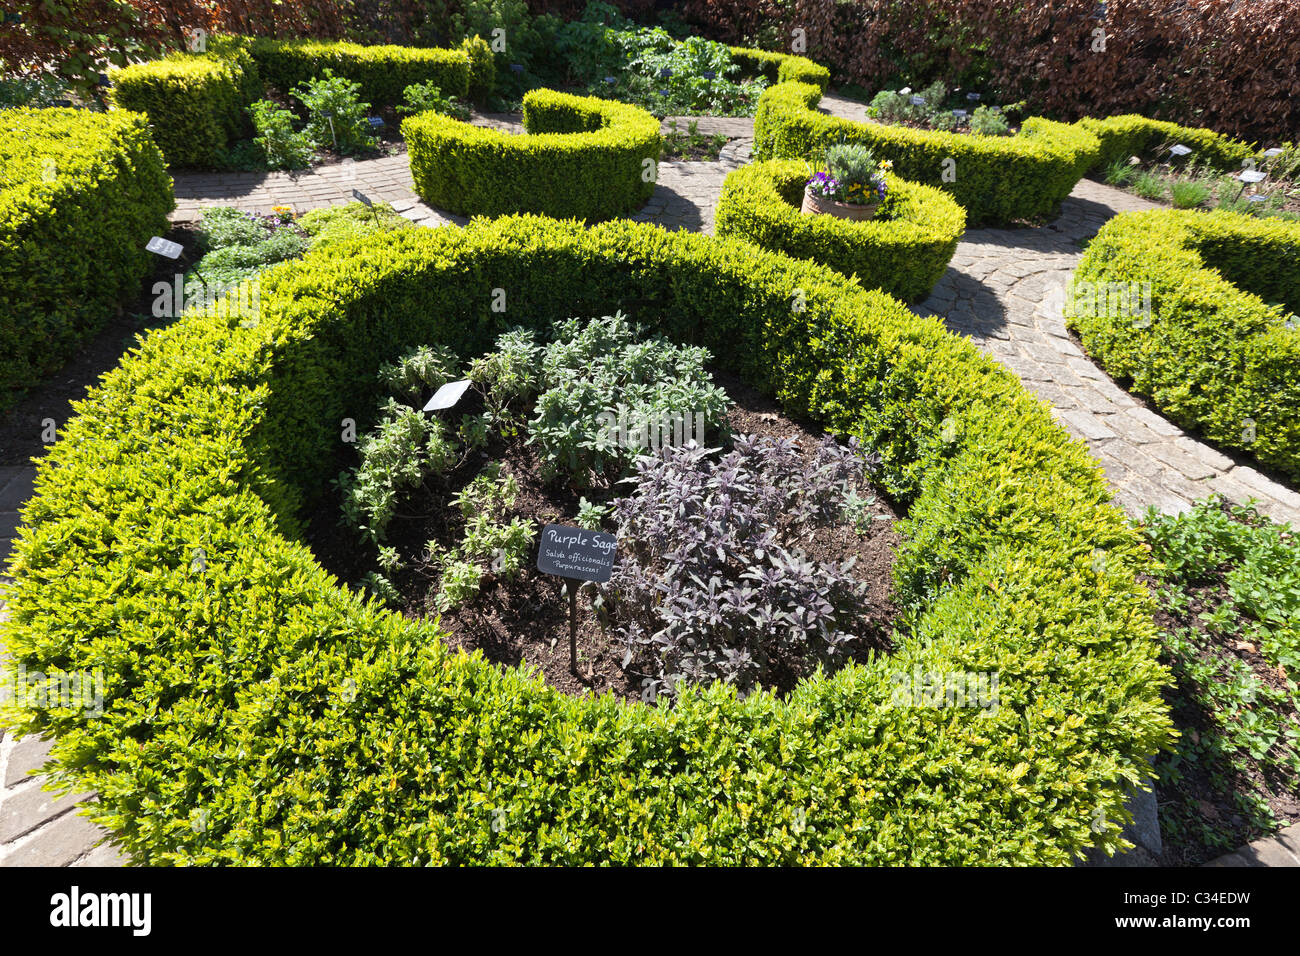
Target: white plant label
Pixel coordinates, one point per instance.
(447, 396)
(164, 247)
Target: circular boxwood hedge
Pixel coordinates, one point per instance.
(583, 157)
(997, 179)
(903, 255)
(256, 711)
(1213, 353)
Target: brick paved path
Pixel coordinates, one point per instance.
(1004, 289)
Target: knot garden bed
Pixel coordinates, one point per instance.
(997, 179)
(903, 251)
(1191, 309)
(582, 157)
(244, 688)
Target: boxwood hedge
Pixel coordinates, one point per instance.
(998, 179)
(80, 195)
(904, 255)
(583, 157)
(1132, 135)
(780, 67)
(384, 72)
(257, 712)
(195, 103)
(1213, 354)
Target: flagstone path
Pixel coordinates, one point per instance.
(1004, 289)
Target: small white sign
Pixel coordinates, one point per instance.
(904, 91)
(164, 247)
(1273, 151)
(1180, 150)
(972, 97)
(1256, 199)
(960, 114)
(1252, 176)
(918, 100)
(447, 396)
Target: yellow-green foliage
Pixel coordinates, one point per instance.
(1213, 355)
(80, 195)
(246, 690)
(583, 157)
(384, 72)
(904, 255)
(781, 67)
(1131, 135)
(195, 103)
(997, 179)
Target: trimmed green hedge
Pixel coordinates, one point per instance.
(257, 712)
(583, 157)
(384, 72)
(1132, 135)
(904, 255)
(998, 179)
(80, 195)
(1212, 354)
(195, 103)
(781, 67)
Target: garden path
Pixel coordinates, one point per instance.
(1004, 288)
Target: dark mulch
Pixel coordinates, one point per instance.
(525, 621)
(21, 416)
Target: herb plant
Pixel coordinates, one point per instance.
(285, 148)
(336, 115)
(711, 583)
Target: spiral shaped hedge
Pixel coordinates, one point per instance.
(904, 255)
(997, 179)
(583, 157)
(1213, 354)
(302, 724)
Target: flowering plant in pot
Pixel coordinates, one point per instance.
(852, 186)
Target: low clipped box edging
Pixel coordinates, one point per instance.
(384, 71)
(903, 256)
(300, 724)
(1132, 135)
(81, 194)
(997, 179)
(582, 157)
(1212, 353)
(195, 103)
(780, 67)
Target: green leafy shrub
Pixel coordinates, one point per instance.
(584, 157)
(80, 195)
(604, 385)
(314, 727)
(425, 97)
(986, 121)
(1213, 355)
(195, 103)
(903, 250)
(997, 179)
(490, 544)
(283, 146)
(382, 72)
(336, 117)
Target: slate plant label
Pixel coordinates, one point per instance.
(362, 198)
(576, 553)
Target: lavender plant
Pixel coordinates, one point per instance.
(711, 583)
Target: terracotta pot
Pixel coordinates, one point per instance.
(816, 205)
